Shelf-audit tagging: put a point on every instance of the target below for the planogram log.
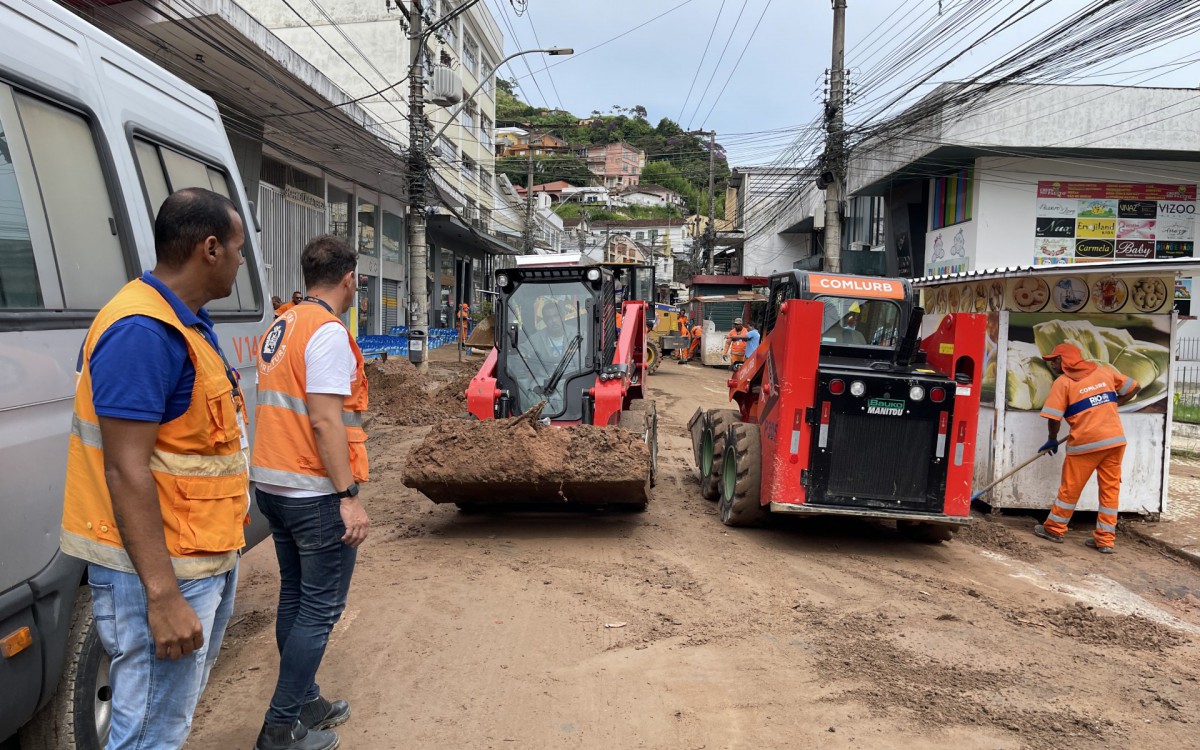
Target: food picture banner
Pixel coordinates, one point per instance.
(1137, 346)
(1080, 222)
(1068, 293)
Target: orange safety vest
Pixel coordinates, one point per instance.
(736, 347)
(619, 316)
(1090, 408)
(285, 446)
(284, 308)
(198, 463)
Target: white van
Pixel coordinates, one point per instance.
(93, 137)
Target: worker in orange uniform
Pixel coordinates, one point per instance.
(308, 459)
(681, 352)
(464, 321)
(296, 299)
(735, 345)
(1087, 395)
(693, 351)
(619, 316)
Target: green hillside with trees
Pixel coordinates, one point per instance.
(674, 159)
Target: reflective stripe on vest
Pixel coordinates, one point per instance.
(197, 463)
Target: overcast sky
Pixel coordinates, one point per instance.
(778, 82)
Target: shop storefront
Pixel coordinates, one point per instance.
(1120, 314)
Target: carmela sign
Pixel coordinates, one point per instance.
(885, 407)
(848, 286)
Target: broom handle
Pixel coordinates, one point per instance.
(1035, 457)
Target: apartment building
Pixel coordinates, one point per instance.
(618, 165)
(364, 49)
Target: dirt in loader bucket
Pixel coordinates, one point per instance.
(518, 461)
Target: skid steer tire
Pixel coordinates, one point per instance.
(741, 477)
(650, 409)
(928, 533)
(653, 357)
(712, 450)
(641, 423)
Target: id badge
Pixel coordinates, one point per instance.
(243, 434)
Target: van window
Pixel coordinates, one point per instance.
(74, 194)
(19, 286)
(164, 171)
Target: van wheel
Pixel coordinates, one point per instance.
(79, 715)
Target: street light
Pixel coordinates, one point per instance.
(552, 51)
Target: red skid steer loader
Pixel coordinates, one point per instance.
(843, 410)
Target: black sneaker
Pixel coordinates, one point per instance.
(1041, 531)
(1109, 550)
(294, 737)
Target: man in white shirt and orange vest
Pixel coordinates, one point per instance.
(156, 490)
(309, 456)
(1086, 395)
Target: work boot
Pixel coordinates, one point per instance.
(1109, 550)
(322, 714)
(294, 737)
(1041, 531)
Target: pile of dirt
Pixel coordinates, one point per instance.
(401, 393)
(518, 460)
(997, 537)
(1116, 631)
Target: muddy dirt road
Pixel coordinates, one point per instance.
(490, 631)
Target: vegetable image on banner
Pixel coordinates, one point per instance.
(1113, 220)
(1134, 345)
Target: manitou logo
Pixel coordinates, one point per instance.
(885, 407)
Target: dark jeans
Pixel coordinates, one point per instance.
(314, 577)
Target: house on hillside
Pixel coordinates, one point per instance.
(620, 248)
(618, 165)
(541, 145)
(505, 138)
(647, 195)
(590, 194)
(553, 190)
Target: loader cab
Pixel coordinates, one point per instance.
(552, 325)
(864, 317)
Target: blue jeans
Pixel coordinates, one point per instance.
(314, 577)
(153, 699)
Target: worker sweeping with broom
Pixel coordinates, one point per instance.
(1087, 395)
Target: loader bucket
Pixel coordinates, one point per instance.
(484, 334)
(514, 462)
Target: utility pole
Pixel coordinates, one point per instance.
(835, 157)
(418, 163)
(527, 243)
(711, 238)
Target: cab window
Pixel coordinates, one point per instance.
(859, 322)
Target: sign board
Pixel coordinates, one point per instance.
(850, 286)
(1080, 222)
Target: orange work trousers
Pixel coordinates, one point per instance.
(1077, 470)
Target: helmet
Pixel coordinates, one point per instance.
(737, 321)
(854, 308)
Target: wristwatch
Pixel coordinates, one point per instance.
(351, 491)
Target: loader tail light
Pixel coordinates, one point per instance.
(937, 395)
(837, 387)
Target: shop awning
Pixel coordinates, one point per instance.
(1186, 265)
